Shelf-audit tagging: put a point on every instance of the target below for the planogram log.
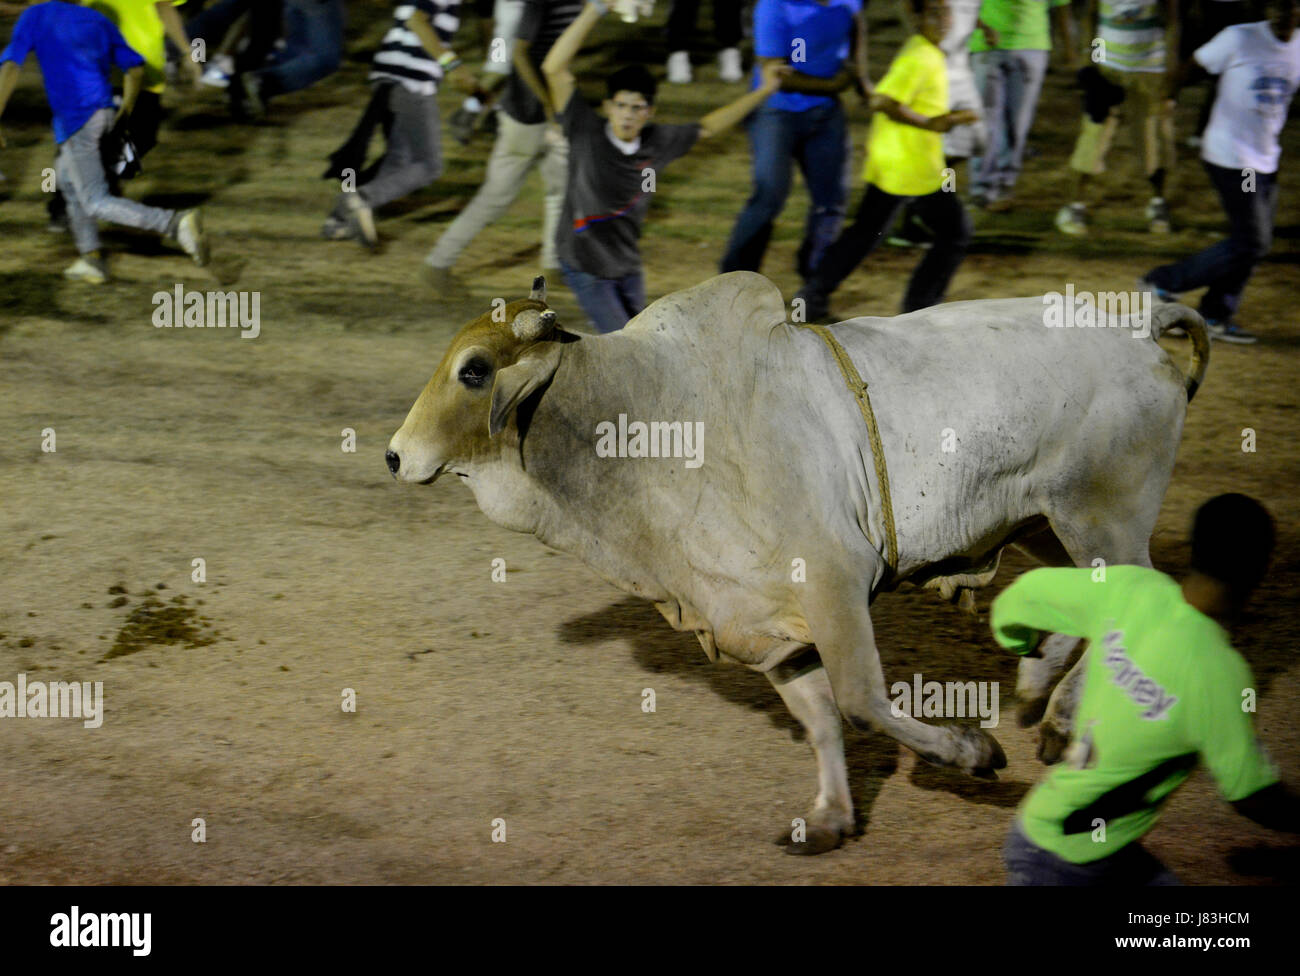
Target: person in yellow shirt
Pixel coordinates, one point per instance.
(905, 162)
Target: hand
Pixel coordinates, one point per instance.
(991, 36)
(772, 74)
(950, 120)
(463, 80)
(862, 84)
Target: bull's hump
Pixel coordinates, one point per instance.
(732, 303)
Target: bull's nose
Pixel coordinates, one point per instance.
(393, 461)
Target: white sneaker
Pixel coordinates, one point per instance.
(1157, 215)
(1072, 219)
(679, 68)
(187, 231)
(729, 69)
(90, 270)
(217, 73)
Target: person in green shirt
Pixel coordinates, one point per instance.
(1009, 57)
(1163, 689)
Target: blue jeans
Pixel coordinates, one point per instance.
(313, 38)
(1009, 83)
(818, 139)
(609, 302)
(1225, 267)
(1130, 866)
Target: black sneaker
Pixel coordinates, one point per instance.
(462, 124)
(1226, 330)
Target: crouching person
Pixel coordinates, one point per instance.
(76, 47)
(1162, 689)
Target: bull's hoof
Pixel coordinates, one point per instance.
(981, 754)
(1051, 744)
(1031, 712)
(817, 840)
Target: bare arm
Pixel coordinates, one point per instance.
(719, 120)
(528, 74)
(175, 31)
(1275, 807)
(421, 26)
(1173, 37)
(797, 81)
(1063, 20)
(863, 80)
(8, 79)
(131, 84)
(899, 112)
(556, 67)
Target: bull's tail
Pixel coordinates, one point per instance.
(1171, 314)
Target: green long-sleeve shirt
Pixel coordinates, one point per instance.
(1162, 688)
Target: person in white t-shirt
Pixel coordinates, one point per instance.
(1259, 70)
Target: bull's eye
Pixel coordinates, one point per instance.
(475, 373)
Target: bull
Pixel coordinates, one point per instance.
(876, 452)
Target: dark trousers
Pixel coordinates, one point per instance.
(942, 212)
(681, 23)
(265, 25)
(1225, 267)
(1130, 866)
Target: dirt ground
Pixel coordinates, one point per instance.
(479, 700)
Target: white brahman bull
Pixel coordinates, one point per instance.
(1060, 440)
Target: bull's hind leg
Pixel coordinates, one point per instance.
(1036, 675)
(841, 628)
(1116, 542)
(1059, 720)
(806, 690)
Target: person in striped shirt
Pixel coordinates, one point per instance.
(1134, 54)
(528, 137)
(413, 59)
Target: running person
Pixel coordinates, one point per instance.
(1258, 66)
(76, 48)
(904, 161)
(1162, 689)
(609, 163)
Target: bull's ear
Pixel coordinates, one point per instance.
(516, 383)
(538, 294)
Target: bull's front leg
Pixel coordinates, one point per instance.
(841, 628)
(806, 690)
(1036, 675)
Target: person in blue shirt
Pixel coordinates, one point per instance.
(804, 121)
(77, 48)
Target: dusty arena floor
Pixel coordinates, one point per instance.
(479, 700)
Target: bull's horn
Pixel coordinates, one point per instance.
(531, 325)
(538, 294)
